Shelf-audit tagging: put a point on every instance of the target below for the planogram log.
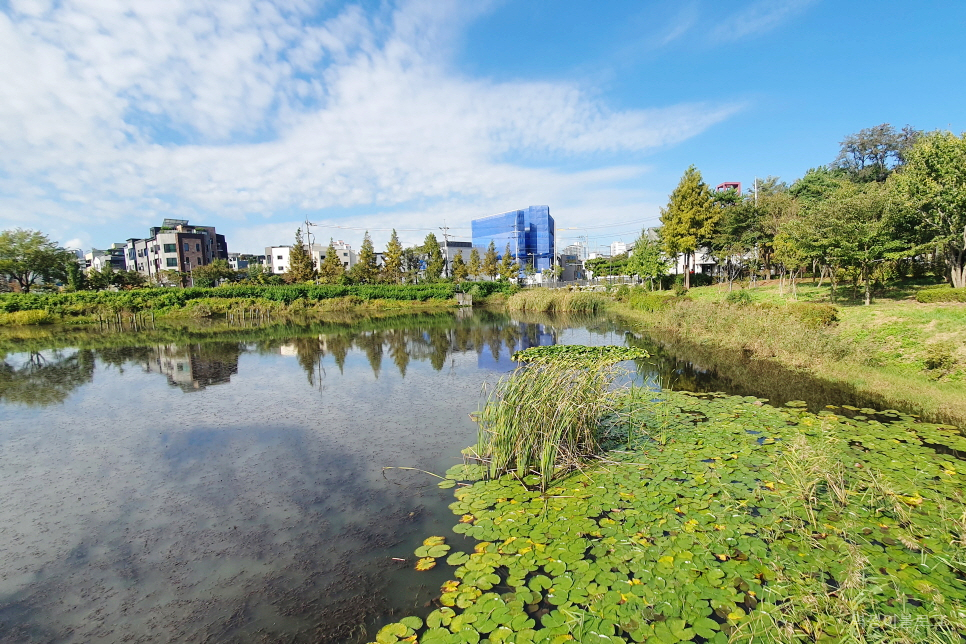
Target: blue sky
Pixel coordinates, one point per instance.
(251, 115)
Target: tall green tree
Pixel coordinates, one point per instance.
(933, 187)
(76, 279)
(509, 268)
(460, 272)
(475, 266)
(648, 261)
(874, 153)
(331, 270)
(854, 229)
(689, 219)
(29, 255)
(301, 266)
(392, 260)
(209, 274)
(491, 267)
(365, 271)
(434, 257)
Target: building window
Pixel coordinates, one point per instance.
(187, 246)
(198, 247)
(173, 261)
(278, 257)
(169, 248)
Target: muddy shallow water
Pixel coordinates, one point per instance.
(158, 490)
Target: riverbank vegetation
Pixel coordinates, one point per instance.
(712, 518)
(913, 354)
(230, 302)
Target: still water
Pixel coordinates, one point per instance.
(198, 487)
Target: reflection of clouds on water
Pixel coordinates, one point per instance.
(249, 511)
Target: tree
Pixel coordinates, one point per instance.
(392, 260)
(647, 261)
(854, 229)
(475, 267)
(873, 153)
(76, 279)
(933, 187)
(301, 267)
(434, 257)
(460, 272)
(102, 279)
(132, 279)
(509, 269)
(219, 269)
(490, 266)
(332, 270)
(365, 271)
(688, 219)
(412, 263)
(29, 255)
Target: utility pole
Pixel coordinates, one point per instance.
(308, 238)
(445, 230)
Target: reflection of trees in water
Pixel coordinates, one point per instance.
(40, 380)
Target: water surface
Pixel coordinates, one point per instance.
(200, 487)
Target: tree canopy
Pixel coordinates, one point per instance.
(689, 218)
(29, 255)
(933, 186)
(301, 267)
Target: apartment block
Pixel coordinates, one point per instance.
(174, 245)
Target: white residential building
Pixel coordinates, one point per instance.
(618, 248)
(277, 257)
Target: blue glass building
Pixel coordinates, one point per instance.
(529, 232)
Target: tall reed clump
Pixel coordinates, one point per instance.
(544, 300)
(544, 417)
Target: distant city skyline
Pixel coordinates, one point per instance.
(415, 114)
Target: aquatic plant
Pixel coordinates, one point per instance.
(542, 419)
(748, 523)
(546, 300)
(577, 352)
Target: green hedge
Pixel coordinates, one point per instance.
(175, 297)
(941, 294)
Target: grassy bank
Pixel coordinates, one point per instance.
(235, 301)
(898, 350)
(711, 519)
(544, 300)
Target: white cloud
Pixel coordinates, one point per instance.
(759, 17)
(123, 113)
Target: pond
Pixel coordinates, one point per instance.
(201, 486)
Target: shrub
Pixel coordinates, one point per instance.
(941, 294)
(623, 293)
(650, 301)
(739, 298)
(18, 318)
(814, 315)
(939, 356)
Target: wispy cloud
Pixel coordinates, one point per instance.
(118, 112)
(759, 17)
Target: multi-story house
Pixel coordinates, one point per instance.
(277, 257)
(176, 245)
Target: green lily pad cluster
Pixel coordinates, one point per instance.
(432, 549)
(576, 352)
(721, 519)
